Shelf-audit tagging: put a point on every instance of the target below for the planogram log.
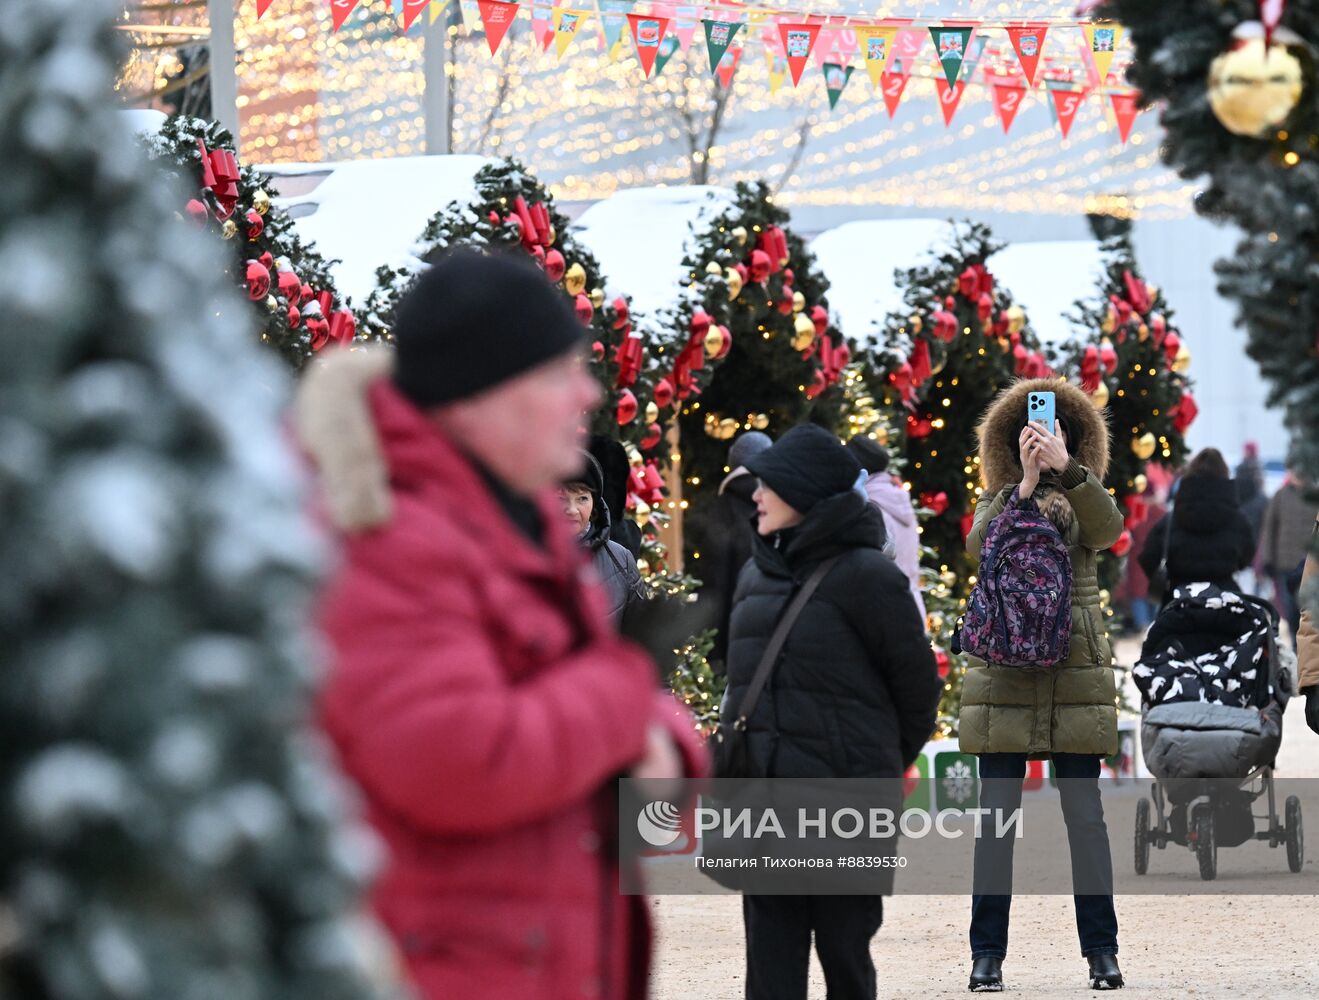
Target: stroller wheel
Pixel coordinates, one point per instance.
(1143, 835)
(1206, 850)
(1295, 834)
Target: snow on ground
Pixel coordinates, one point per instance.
(641, 235)
(859, 259)
(1047, 278)
(366, 213)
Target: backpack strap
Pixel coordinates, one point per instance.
(770, 657)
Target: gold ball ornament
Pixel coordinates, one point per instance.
(1016, 319)
(1140, 483)
(733, 277)
(760, 421)
(915, 322)
(803, 335)
(260, 201)
(652, 412)
(1143, 333)
(713, 269)
(553, 235)
(229, 230)
(597, 297)
(641, 513)
(798, 302)
(740, 234)
(728, 428)
(574, 281)
(272, 303)
(1100, 396)
(714, 341)
(1253, 89)
(1143, 446)
(1183, 359)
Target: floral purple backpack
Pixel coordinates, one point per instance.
(1020, 610)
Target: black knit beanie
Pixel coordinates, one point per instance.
(474, 320)
(872, 455)
(805, 466)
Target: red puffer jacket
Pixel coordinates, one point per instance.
(480, 702)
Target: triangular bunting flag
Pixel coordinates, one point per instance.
(689, 19)
(667, 49)
(972, 61)
(778, 70)
(835, 79)
(891, 85)
(798, 40)
(1124, 107)
(1066, 103)
(1028, 41)
(647, 33)
(728, 66)
(339, 11)
(261, 7)
(1103, 38)
(542, 24)
(949, 98)
(412, 10)
(612, 19)
(1007, 102)
(471, 12)
(950, 46)
(437, 8)
(718, 36)
(877, 48)
(566, 25)
(908, 46)
(497, 17)
(826, 48)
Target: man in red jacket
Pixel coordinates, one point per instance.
(477, 694)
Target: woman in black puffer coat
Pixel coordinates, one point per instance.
(854, 693)
(1211, 537)
(584, 505)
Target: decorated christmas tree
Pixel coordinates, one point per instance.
(1132, 360)
(1239, 110)
(288, 285)
(752, 291)
(172, 825)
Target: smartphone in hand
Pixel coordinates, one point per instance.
(1041, 409)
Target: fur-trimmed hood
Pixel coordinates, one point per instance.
(998, 431)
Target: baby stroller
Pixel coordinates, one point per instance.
(1214, 681)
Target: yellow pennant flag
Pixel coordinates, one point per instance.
(438, 8)
(877, 48)
(1103, 37)
(778, 70)
(567, 22)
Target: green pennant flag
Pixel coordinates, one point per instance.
(835, 79)
(667, 48)
(951, 48)
(718, 36)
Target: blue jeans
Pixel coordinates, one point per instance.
(1092, 865)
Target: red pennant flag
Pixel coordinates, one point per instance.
(497, 17)
(891, 86)
(728, 66)
(1066, 103)
(949, 97)
(647, 33)
(1028, 41)
(1007, 102)
(261, 7)
(798, 41)
(1124, 106)
(411, 9)
(339, 11)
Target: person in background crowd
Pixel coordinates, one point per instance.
(585, 508)
(477, 694)
(731, 534)
(1288, 522)
(1307, 642)
(857, 662)
(885, 492)
(1067, 713)
(1250, 491)
(1211, 539)
(1135, 588)
(614, 471)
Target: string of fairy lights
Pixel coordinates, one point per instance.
(591, 125)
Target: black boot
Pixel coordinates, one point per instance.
(1104, 973)
(986, 975)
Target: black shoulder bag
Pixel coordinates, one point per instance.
(1159, 578)
(732, 758)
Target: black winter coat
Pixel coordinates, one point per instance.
(1211, 538)
(855, 692)
(731, 538)
(615, 565)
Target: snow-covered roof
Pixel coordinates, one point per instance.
(1047, 279)
(859, 259)
(640, 236)
(366, 213)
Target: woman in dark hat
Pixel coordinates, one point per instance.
(584, 505)
(853, 694)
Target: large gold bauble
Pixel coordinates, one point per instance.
(728, 428)
(714, 341)
(652, 412)
(760, 421)
(740, 234)
(915, 322)
(1016, 319)
(1143, 446)
(597, 297)
(1100, 396)
(733, 278)
(641, 513)
(1183, 359)
(260, 201)
(714, 269)
(229, 229)
(1253, 89)
(798, 302)
(574, 279)
(803, 332)
(1140, 483)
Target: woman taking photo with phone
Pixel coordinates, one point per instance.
(1066, 712)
